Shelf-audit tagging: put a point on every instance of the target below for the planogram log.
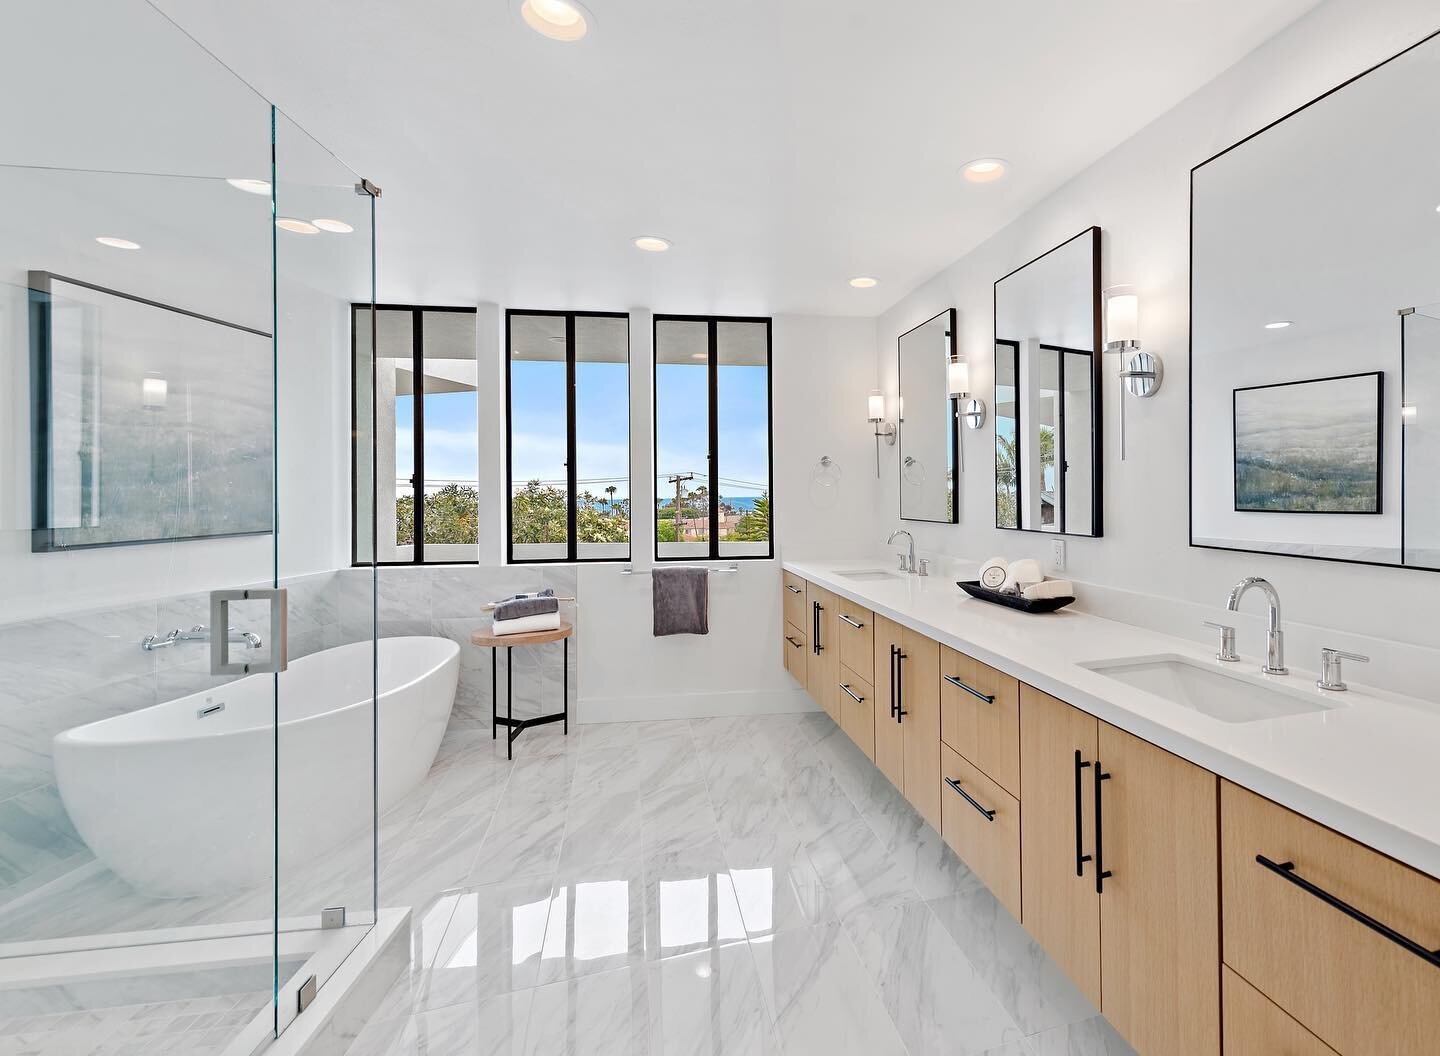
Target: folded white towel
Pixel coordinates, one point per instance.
(545, 621)
(1021, 574)
(1050, 588)
(992, 573)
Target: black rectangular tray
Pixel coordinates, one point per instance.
(1011, 601)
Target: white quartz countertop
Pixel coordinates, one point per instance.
(1367, 766)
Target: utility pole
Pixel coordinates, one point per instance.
(678, 479)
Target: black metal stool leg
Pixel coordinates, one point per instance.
(494, 690)
(565, 683)
(509, 707)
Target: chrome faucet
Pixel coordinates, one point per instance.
(1275, 638)
(907, 563)
(198, 633)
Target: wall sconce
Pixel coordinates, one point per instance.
(1140, 372)
(875, 414)
(957, 380)
(154, 392)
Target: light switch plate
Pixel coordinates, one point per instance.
(1057, 555)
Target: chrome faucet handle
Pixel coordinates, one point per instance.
(1331, 677)
(1227, 653)
(924, 569)
(904, 563)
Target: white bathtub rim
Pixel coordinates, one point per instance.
(73, 736)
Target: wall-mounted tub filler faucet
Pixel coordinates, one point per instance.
(907, 562)
(1275, 638)
(198, 633)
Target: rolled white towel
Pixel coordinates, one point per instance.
(1050, 588)
(992, 573)
(1021, 574)
(545, 621)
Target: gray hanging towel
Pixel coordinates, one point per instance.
(681, 598)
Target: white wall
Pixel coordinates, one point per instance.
(1139, 196)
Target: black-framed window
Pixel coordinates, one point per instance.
(713, 438)
(567, 413)
(415, 437)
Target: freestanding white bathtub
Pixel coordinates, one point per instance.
(182, 799)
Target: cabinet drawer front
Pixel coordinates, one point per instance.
(794, 643)
(984, 731)
(1256, 1026)
(981, 822)
(793, 590)
(857, 643)
(857, 717)
(1359, 991)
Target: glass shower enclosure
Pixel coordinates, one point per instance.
(187, 661)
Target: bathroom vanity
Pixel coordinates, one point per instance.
(1252, 873)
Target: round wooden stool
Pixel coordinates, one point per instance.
(514, 726)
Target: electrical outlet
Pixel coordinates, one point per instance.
(1057, 555)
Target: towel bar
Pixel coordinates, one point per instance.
(629, 570)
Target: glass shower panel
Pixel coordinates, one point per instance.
(325, 740)
(1420, 437)
(137, 475)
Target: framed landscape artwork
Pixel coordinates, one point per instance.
(1311, 446)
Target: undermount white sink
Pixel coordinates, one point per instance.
(868, 574)
(1213, 690)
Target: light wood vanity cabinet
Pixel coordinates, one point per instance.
(981, 823)
(857, 710)
(1289, 932)
(1060, 907)
(1256, 1026)
(1118, 858)
(907, 714)
(793, 643)
(980, 716)
(855, 635)
(822, 659)
(797, 613)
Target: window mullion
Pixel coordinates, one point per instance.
(572, 518)
(714, 440)
(417, 387)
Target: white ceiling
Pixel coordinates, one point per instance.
(782, 145)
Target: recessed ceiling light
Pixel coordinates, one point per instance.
(252, 186)
(563, 20)
(299, 227)
(1279, 324)
(116, 243)
(335, 227)
(984, 170)
(651, 243)
(864, 282)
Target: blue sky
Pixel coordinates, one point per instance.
(601, 421)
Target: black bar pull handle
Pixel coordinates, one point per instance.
(1101, 873)
(793, 589)
(852, 622)
(986, 697)
(900, 711)
(1080, 856)
(968, 798)
(815, 627)
(792, 641)
(851, 694)
(1287, 871)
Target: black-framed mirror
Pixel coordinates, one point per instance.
(1315, 328)
(929, 440)
(1048, 464)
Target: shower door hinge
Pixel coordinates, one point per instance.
(1406, 311)
(334, 917)
(305, 995)
(366, 187)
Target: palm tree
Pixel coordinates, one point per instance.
(610, 492)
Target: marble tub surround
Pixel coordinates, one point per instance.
(1362, 765)
(747, 887)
